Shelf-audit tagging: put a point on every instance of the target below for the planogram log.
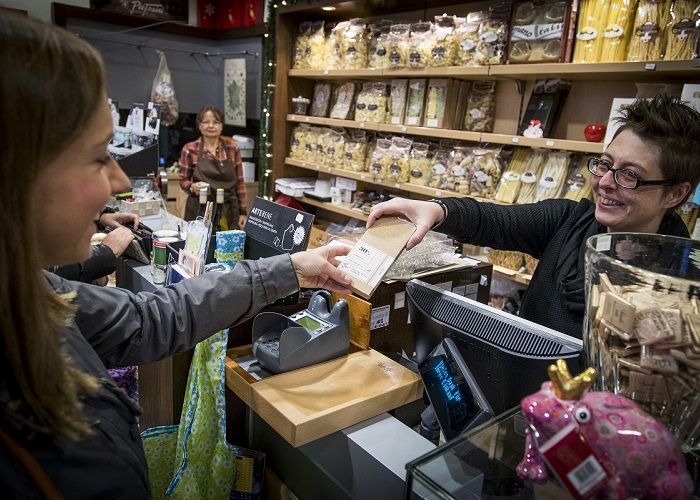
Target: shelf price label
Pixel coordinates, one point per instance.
(549, 144)
(650, 66)
(438, 192)
(515, 140)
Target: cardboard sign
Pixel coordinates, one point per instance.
(373, 255)
(272, 229)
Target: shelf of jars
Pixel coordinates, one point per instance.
(649, 71)
(429, 192)
(461, 135)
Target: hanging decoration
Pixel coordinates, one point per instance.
(234, 92)
(268, 88)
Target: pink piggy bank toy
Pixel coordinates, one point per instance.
(599, 444)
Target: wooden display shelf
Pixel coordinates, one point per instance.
(339, 209)
(312, 402)
(460, 135)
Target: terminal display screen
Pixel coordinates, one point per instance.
(308, 323)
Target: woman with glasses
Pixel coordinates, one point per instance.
(648, 170)
(214, 160)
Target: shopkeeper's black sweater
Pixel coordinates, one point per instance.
(553, 231)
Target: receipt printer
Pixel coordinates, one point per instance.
(318, 333)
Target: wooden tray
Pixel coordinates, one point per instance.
(312, 402)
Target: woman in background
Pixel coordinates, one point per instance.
(66, 429)
(215, 160)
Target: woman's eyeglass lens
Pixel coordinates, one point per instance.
(623, 177)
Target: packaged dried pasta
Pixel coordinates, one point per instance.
(343, 101)
(398, 168)
(531, 175)
(297, 147)
(422, 43)
(481, 107)
(399, 45)
(320, 135)
(467, 38)
(318, 48)
(337, 45)
(538, 31)
(397, 102)
(493, 35)
(444, 45)
(379, 46)
(486, 172)
(579, 180)
(684, 16)
(648, 40)
(371, 103)
(459, 170)
(419, 164)
(335, 151)
(618, 30)
(355, 43)
(300, 53)
(381, 158)
(321, 100)
(435, 104)
(416, 98)
(438, 168)
(593, 14)
(553, 175)
(355, 150)
(509, 185)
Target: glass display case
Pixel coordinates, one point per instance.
(479, 464)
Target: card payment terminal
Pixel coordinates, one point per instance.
(318, 333)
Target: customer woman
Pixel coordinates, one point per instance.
(645, 173)
(65, 428)
(215, 160)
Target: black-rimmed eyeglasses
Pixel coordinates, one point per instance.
(623, 177)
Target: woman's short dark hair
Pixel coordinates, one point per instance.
(205, 109)
(673, 127)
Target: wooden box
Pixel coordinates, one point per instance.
(309, 403)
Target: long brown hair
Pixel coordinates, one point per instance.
(51, 83)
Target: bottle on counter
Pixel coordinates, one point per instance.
(202, 203)
(159, 262)
(218, 221)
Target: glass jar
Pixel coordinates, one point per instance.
(642, 325)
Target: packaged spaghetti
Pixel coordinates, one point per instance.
(531, 175)
(421, 46)
(618, 30)
(683, 19)
(399, 45)
(592, 16)
(419, 164)
(467, 38)
(509, 185)
(553, 175)
(650, 24)
(579, 180)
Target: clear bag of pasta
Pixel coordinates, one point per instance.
(299, 142)
(322, 142)
(648, 40)
(481, 107)
(459, 170)
(467, 38)
(422, 43)
(335, 150)
(438, 166)
(336, 41)
(380, 158)
(301, 51)
(591, 27)
(398, 170)
(419, 164)
(493, 35)
(371, 103)
(487, 169)
(397, 101)
(509, 185)
(355, 151)
(579, 181)
(531, 175)
(379, 45)
(399, 45)
(355, 43)
(619, 28)
(318, 57)
(553, 176)
(444, 45)
(679, 40)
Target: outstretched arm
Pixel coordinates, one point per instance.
(424, 214)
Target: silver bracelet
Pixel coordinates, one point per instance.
(444, 211)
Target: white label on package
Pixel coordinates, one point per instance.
(366, 263)
(343, 183)
(380, 317)
(399, 300)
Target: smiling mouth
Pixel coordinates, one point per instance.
(609, 203)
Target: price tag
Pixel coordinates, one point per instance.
(306, 119)
(404, 128)
(549, 143)
(318, 167)
(361, 124)
(515, 140)
(570, 456)
(397, 185)
(362, 177)
(650, 66)
(438, 192)
(325, 71)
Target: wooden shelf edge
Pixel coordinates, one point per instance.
(339, 209)
(62, 12)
